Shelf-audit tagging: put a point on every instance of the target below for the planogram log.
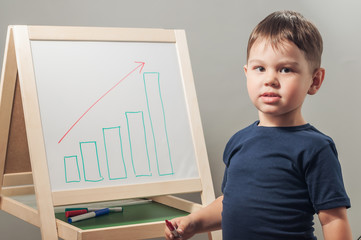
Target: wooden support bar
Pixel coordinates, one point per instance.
(100, 34)
(18, 190)
(178, 203)
(15, 179)
(125, 192)
(129, 232)
(20, 210)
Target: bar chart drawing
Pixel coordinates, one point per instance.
(114, 153)
(160, 137)
(72, 171)
(123, 121)
(138, 144)
(90, 160)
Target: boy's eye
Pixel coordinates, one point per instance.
(286, 70)
(259, 69)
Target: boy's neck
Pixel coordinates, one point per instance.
(280, 121)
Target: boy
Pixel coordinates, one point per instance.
(280, 170)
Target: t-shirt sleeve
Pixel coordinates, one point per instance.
(324, 180)
(226, 162)
(226, 159)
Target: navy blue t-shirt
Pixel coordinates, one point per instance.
(276, 179)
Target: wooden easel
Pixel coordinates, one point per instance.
(23, 163)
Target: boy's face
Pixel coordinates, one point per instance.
(278, 80)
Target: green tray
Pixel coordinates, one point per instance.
(134, 214)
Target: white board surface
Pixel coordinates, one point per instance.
(113, 113)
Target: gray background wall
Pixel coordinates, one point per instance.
(217, 32)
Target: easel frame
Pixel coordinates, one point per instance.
(18, 78)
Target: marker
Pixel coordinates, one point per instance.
(172, 229)
(76, 212)
(73, 213)
(73, 209)
(88, 215)
(111, 209)
(109, 206)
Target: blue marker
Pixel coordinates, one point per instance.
(89, 215)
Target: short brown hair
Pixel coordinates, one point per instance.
(292, 26)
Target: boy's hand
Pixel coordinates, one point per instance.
(204, 220)
(185, 228)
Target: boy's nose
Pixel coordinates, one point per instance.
(272, 80)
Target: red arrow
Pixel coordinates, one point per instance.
(141, 65)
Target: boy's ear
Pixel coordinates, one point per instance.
(245, 69)
(317, 80)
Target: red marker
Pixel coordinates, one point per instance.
(75, 212)
(172, 229)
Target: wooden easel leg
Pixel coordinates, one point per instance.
(7, 90)
(33, 132)
(216, 235)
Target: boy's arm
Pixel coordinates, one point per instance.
(210, 217)
(335, 225)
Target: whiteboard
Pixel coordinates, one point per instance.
(112, 113)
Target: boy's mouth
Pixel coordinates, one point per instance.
(270, 97)
(270, 94)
